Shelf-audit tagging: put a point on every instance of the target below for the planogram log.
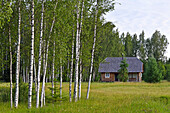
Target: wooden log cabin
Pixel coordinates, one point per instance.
(110, 66)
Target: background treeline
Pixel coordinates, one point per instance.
(109, 43)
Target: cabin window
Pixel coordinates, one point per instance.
(107, 75)
(133, 76)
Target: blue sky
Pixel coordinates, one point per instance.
(136, 15)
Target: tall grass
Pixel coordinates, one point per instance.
(105, 97)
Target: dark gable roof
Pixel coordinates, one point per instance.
(112, 64)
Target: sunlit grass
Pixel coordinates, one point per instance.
(132, 97)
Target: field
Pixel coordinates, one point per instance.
(106, 97)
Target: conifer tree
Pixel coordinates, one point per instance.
(123, 72)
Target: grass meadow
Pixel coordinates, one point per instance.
(117, 97)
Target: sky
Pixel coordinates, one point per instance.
(133, 16)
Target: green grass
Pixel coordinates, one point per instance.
(106, 98)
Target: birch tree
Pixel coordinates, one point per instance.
(61, 75)
(53, 70)
(39, 58)
(18, 56)
(45, 68)
(77, 54)
(32, 55)
(71, 68)
(10, 66)
(35, 77)
(81, 21)
(92, 56)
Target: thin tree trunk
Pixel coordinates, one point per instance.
(39, 59)
(71, 68)
(10, 66)
(23, 72)
(91, 67)
(94, 75)
(32, 56)
(43, 82)
(45, 69)
(35, 77)
(77, 55)
(18, 57)
(27, 77)
(61, 75)
(80, 79)
(44, 96)
(80, 49)
(68, 67)
(53, 70)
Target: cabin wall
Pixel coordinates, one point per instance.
(111, 79)
(138, 78)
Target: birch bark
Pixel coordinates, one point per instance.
(18, 56)
(53, 70)
(42, 89)
(39, 58)
(71, 68)
(35, 77)
(32, 56)
(61, 75)
(80, 79)
(91, 67)
(45, 68)
(10, 66)
(77, 55)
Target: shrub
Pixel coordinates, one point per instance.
(152, 72)
(4, 94)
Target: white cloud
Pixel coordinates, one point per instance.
(136, 15)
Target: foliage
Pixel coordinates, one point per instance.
(5, 12)
(4, 94)
(162, 69)
(123, 72)
(167, 66)
(152, 73)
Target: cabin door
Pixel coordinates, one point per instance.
(116, 76)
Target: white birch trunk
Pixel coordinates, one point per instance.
(80, 79)
(92, 57)
(77, 56)
(53, 70)
(61, 75)
(27, 77)
(45, 68)
(71, 71)
(35, 77)
(43, 82)
(32, 57)
(80, 49)
(10, 66)
(39, 58)
(44, 96)
(18, 57)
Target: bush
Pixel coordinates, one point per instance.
(4, 94)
